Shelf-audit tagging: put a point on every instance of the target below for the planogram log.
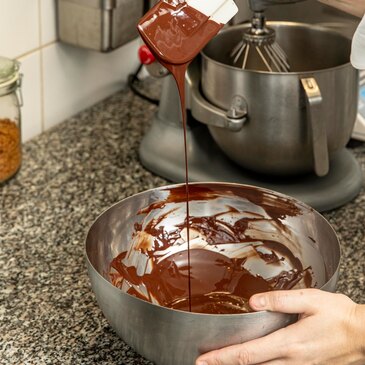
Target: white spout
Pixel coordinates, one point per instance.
(220, 11)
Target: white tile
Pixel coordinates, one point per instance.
(75, 78)
(48, 21)
(19, 27)
(31, 90)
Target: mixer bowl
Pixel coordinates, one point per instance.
(166, 336)
(287, 131)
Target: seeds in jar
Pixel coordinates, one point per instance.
(10, 148)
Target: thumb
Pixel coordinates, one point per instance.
(305, 301)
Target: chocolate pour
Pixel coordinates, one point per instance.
(217, 283)
(176, 33)
(179, 74)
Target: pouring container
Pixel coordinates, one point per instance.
(279, 123)
(167, 336)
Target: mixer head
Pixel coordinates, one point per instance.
(258, 49)
(261, 5)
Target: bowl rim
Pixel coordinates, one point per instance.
(213, 183)
(268, 73)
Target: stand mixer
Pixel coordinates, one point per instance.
(268, 105)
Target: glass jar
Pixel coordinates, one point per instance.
(10, 123)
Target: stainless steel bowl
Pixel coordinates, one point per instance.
(167, 336)
(294, 122)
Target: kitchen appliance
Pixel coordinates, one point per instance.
(166, 336)
(282, 131)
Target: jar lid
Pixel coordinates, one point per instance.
(8, 71)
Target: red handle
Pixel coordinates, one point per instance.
(145, 55)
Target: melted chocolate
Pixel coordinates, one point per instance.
(203, 280)
(219, 284)
(176, 33)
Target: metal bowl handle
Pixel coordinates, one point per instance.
(317, 126)
(233, 119)
(207, 113)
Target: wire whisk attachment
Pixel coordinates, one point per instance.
(258, 49)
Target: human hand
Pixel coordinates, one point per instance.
(354, 7)
(330, 330)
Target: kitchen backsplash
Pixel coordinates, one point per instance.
(58, 80)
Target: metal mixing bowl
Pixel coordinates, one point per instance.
(167, 336)
(288, 131)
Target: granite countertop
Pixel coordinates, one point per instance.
(48, 313)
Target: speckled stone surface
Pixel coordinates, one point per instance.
(48, 313)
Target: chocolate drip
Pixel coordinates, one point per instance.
(201, 280)
(175, 33)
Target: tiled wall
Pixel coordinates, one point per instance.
(59, 80)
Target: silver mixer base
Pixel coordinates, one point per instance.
(162, 152)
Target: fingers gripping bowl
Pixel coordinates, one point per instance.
(277, 235)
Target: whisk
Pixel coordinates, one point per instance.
(258, 49)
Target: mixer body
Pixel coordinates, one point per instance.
(270, 123)
(287, 130)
